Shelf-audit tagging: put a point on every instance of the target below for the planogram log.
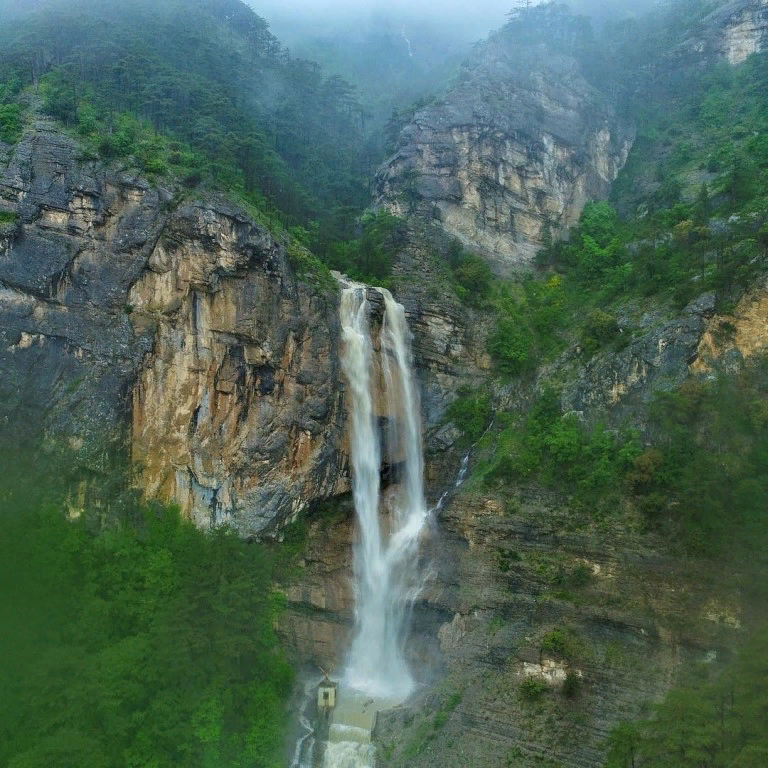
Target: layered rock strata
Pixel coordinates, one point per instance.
(237, 411)
(732, 32)
(510, 154)
(176, 332)
(179, 334)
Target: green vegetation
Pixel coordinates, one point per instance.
(309, 267)
(428, 729)
(532, 688)
(370, 256)
(471, 274)
(212, 80)
(715, 718)
(706, 475)
(694, 195)
(8, 220)
(10, 123)
(10, 111)
(446, 708)
(130, 637)
(506, 558)
(495, 624)
(559, 451)
(472, 412)
(529, 322)
(702, 482)
(564, 644)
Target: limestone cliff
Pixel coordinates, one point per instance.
(733, 31)
(236, 413)
(79, 239)
(620, 384)
(179, 333)
(511, 151)
(731, 340)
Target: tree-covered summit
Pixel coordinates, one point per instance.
(209, 74)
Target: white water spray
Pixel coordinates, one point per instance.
(407, 41)
(304, 752)
(386, 562)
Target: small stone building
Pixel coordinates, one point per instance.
(326, 695)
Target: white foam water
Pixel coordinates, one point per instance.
(386, 563)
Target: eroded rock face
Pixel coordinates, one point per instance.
(733, 32)
(68, 349)
(236, 413)
(318, 621)
(519, 146)
(731, 340)
(622, 383)
(515, 577)
(181, 335)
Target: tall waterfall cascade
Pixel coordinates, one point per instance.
(384, 431)
(386, 556)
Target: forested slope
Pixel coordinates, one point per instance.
(244, 115)
(140, 642)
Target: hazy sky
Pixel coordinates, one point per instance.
(478, 21)
(428, 8)
(470, 20)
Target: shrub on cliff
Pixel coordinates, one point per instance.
(716, 717)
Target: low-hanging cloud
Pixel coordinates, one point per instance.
(468, 20)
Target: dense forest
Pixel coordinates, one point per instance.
(130, 637)
(202, 91)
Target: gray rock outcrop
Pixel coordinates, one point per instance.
(176, 334)
(733, 32)
(513, 150)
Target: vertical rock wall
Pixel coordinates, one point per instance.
(236, 413)
(514, 150)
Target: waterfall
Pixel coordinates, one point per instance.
(408, 42)
(384, 430)
(387, 579)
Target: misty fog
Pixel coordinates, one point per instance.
(460, 20)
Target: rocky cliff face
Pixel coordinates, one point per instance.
(177, 332)
(522, 588)
(659, 353)
(512, 151)
(535, 592)
(732, 32)
(731, 340)
(237, 410)
(78, 241)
